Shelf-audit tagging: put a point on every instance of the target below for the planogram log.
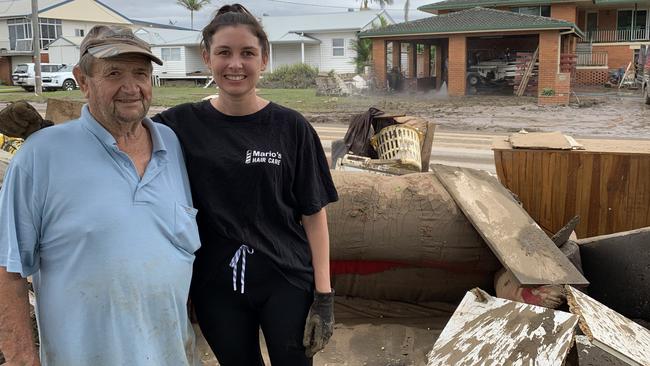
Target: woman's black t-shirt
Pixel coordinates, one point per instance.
(252, 178)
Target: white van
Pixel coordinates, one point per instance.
(23, 76)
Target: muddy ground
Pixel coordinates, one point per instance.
(594, 112)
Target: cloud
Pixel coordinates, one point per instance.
(166, 11)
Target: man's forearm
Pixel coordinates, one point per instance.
(16, 335)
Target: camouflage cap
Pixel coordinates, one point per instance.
(104, 41)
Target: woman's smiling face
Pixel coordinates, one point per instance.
(236, 61)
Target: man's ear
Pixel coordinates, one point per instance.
(82, 80)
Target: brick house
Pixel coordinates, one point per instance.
(459, 35)
(614, 29)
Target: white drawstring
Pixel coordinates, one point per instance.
(240, 253)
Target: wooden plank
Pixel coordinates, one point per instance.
(632, 192)
(537, 183)
(546, 188)
(559, 174)
(498, 164)
(426, 146)
(594, 205)
(572, 186)
(586, 166)
(515, 186)
(539, 140)
(527, 73)
(528, 181)
(609, 330)
(516, 240)
(605, 213)
(506, 160)
(486, 330)
(642, 200)
(618, 195)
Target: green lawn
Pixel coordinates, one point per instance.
(303, 100)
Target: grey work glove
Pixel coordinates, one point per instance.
(320, 323)
(20, 119)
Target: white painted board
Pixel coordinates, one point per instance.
(490, 331)
(609, 330)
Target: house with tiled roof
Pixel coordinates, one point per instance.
(614, 30)
(324, 41)
(597, 35)
(70, 19)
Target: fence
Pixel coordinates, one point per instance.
(593, 59)
(616, 35)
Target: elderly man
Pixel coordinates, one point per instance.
(98, 210)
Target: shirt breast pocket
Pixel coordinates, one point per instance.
(186, 232)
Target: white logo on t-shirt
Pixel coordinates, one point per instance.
(269, 157)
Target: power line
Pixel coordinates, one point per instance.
(307, 4)
(328, 6)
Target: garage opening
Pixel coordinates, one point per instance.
(495, 64)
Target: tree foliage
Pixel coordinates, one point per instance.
(192, 6)
(363, 48)
(382, 3)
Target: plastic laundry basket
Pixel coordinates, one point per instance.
(399, 142)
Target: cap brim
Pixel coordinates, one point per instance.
(112, 50)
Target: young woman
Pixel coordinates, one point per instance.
(261, 182)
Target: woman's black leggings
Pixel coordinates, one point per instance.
(230, 321)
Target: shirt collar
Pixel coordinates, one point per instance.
(107, 139)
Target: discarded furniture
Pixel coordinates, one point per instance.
(617, 268)
(486, 330)
(610, 331)
(607, 184)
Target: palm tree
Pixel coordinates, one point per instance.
(406, 10)
(192, 6)
(382, 3)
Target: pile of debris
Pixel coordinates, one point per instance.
(331, 84)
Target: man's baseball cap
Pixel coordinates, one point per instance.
(104, 41)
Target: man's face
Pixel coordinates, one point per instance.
(119, 90)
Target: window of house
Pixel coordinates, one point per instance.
(171, 53)
(338, 47)
(50, 30)
(544, 11)
(79, 32)
(20, 32)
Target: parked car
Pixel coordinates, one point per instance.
(23, 74)
(62, 79)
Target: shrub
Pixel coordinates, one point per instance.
(298, 76)
(548, 92)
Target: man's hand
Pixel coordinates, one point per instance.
(320, 323)
(20, 119)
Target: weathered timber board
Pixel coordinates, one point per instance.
(488, 331)
(514, 237)
(607, 184)
(540, 140)
(609, 330)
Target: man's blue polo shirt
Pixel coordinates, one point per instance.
(111, 253)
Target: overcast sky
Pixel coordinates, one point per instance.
(164, 11)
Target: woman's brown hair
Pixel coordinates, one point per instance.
(234, 15)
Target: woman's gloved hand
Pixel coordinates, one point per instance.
(320, 323)
(20, 119)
